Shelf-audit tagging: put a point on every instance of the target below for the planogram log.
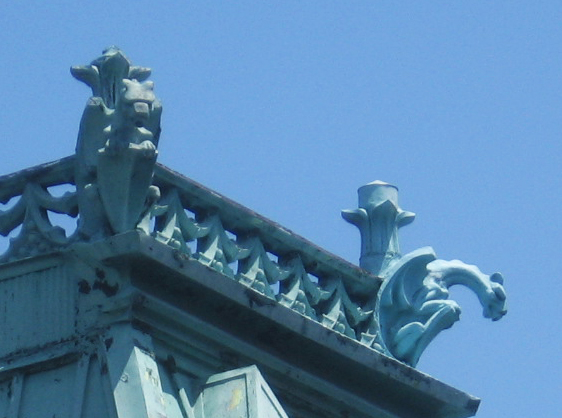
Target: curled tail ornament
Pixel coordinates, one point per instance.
(413, 304)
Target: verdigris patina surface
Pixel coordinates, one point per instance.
(116, 149)
(413, 305)
(395, 304)
(167, 299)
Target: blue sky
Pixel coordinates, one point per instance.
(289, 106)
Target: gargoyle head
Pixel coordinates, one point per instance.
(136, 118)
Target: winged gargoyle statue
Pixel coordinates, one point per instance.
(116, 148)
(412, 302)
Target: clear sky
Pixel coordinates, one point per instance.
(289, 106)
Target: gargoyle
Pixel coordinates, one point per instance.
(412, 304)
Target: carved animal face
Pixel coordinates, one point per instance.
(495, 306)
(137, 102)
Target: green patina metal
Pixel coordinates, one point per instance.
(412, 305)
(241, 393)
(171, 294)
(116, 148)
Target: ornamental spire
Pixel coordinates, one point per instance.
(378, 219)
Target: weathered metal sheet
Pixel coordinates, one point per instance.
(41, 394)
(240, 393)
(37, 308)
(97, 398)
